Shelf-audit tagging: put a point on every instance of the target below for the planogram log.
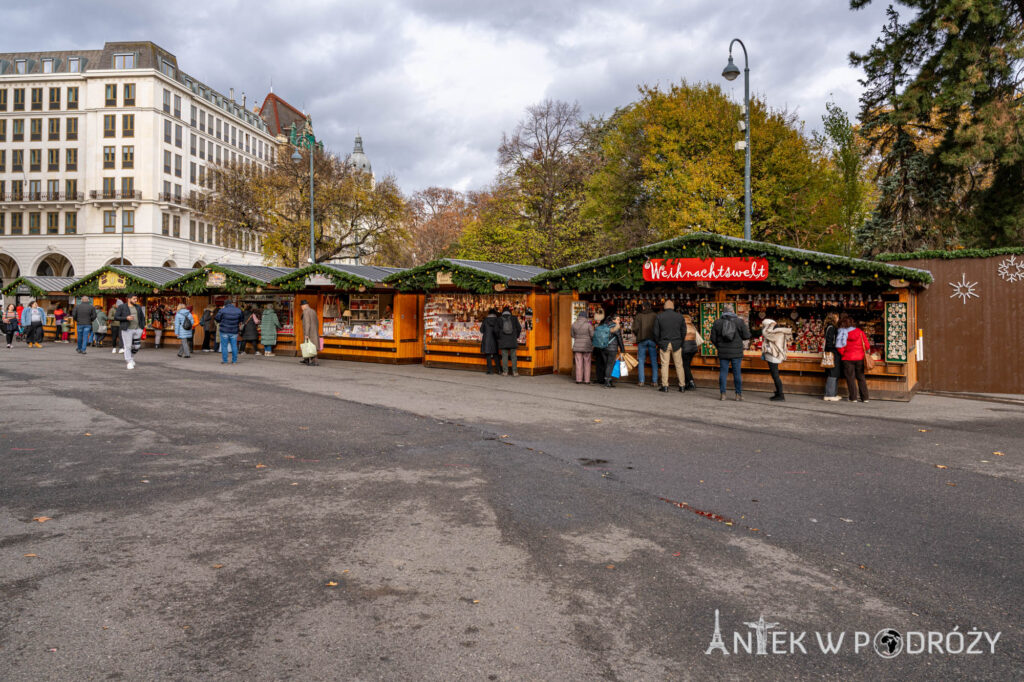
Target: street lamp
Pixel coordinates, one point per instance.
(307, 140)
(730, 73)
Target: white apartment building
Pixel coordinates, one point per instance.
(99, 150)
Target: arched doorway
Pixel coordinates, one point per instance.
(9, 269)
(118, 261)
(170, 264)
(199, 264)
(55, 265)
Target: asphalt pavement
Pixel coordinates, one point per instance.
(272, 521)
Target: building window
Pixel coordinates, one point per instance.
(3, 222)
(128, 125)
(17, 160)
(35, 130)
(20, 66)
(34, 193)
(192, 117)
(16, 219)
(202, 114)
(108, 188)
(53, 223)
(167, 68)
(110, 125)
(177, 106)
(177, 226)
(218, 153)
(53, 189)
(35, 160)
(110, 221)
(167, 101)
(128, 221)
(128, 157)
(128, 94)
(34, 223)
(37, 99)
(72, 98)
(74, 65)
(191, 172)
(177, 165)
(167, 132)
(53, 132)
(177, 136)
(3, 129)
(71, 160)
(127, 188)
(192, 230)
(18, 129)
(19, 99)
(71, 189)
(17, 190)
(71, 223)
(209, 233)
(53, 159)
(109, 157)
(54, 98)
(202, 148)
(165, 224)
(192, 144)
(234, 136)
(3, 168)
(71, 129)
(124, 61)
(47, 65)
(110, 96)
(3, 99)
(218, 128)
(167, 162)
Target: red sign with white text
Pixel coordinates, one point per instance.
(706, 270)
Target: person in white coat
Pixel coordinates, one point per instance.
(774, 351)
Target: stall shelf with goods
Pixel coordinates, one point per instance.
(457, 294)
(361, 318)
(246, 285)
(47, 290)
(702, 271)
(112, 282)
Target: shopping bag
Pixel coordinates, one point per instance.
(616, 370)
(623, 368)
(308, 349)
(631, 362)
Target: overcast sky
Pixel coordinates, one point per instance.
(432, 85)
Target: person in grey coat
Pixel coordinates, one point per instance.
(489, 340)
(582, 347)
(728, 335)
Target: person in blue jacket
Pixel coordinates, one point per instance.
(229, 321)
(184, 335)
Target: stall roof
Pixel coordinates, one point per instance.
(240, 277)
(38, 285)
(472, 275)
(139, 280)
(343, 276)
(789, 266)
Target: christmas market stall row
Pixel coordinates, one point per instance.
(361, 318)
(457, 294)
(112, 282)
(702, 271)
(48, 291)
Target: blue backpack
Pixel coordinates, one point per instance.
(602, 336)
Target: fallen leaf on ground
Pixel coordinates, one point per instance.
(952, 485)
(846, 520)
(261, 466)
(30, 555)
(294, 483)
(923, 430)
(863, 566)
(289, 456)
(145, 480)
(331, 583)
(218, 565)
(88, 434)
(303, 428)
(42, 519)
(345, 571)
(504, 435)
(998, 454)
(610, 567)
(597, 421)
(476, 601)
(941, 466)
(678, 554)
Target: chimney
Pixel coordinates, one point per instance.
(243, 100)
(231, 94)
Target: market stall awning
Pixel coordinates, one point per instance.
(786, 266)
(116, 280)
(227, 277)
(37, 286)
(344, 277)
(471, 275)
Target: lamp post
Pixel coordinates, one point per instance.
(730, 72)
(307, 140)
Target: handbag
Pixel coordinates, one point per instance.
(869, 362)
(308, 348)
(828, 359)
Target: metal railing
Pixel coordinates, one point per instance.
(43, 196)
(115, 195)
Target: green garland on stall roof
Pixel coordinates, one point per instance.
(13, 286)
(89, 285)
(194, 283)
(952, 255)
(296, 281)
(787, 268)
(424, 278)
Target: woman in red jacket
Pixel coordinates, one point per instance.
(853, 344)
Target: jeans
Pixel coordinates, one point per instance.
(505, 355)
(267, 350)
(643, 350)
(131, 339)
(723, 374)
(582, 367)
(675, 357)
(84, 332)
(229, 341)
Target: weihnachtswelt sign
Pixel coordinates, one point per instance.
(706, 270)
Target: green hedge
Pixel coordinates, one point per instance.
(952, 255)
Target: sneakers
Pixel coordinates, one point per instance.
(258, 353)
(739, 397)
(663, 389)
(268, 355)
(121, 351)
(721, 396)
(131, 365)
(778, 398)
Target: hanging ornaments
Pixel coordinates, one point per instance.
(1011, 270)
(963, 289)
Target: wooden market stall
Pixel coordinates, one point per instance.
(361, 318)
(47, 290)
(150, 284)
(456, 296)
(211, 285)
(702, 271)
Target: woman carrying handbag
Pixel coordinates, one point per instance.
(855, 350)
(830, 358)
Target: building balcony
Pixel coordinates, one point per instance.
(100, 195)
(173, 198)
(41, 197)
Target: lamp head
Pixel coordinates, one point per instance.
(731, 71)
(296, 156)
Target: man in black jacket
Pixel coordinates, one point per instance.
(643, 330)
(84, 314)
(508, 339)
(669, 332)
(728, 334)
(132, 318)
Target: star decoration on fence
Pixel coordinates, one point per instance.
(963, 289)
(1011, 270)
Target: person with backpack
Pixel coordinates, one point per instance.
(669, 333)
(250, 330)
(508, 340)
(728, 334)
(608, 340)
(853, 345)
(489, 340)
(183, 330)
(643, 330)
(158, 322)
(209, 326)
(774, 351)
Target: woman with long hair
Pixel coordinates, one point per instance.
(853, 345)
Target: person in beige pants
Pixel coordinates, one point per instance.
(669, 332)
